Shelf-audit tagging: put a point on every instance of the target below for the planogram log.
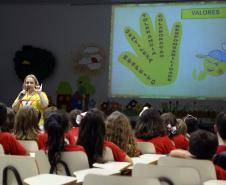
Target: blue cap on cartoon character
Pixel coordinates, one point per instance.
(214, 62)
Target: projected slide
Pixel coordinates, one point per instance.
(173, 50)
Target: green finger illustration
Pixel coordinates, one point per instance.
(156, 57)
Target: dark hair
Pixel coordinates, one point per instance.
(48, 111)
(149, 125)
(56, 124)
(91, 135)
(203, 144)
(221, 124)
(220, 160)
(192, 123)
(3, 114)
(170, 122)
(9, 123)
(72, 117)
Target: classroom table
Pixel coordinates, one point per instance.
(215, 182)
(50, 179)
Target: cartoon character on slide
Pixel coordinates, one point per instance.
(214, 63)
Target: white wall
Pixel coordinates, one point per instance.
(62, 29)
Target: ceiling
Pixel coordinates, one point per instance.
(88, 2)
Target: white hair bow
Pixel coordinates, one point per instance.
(79, 117)
(144, 108)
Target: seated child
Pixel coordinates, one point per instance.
(170, 122)
(56, 125)
(91, 136)
(182, 128)
(202, 145)
(7, 140)
(119, 131)
(150, 128)
(74, 124)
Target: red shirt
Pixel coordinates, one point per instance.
(221, 148)
(163, 145)
(73, 148)
(43, 137)
(119, 155)
(180, 141)
(221, 173)
(11, 145)
(72, 134)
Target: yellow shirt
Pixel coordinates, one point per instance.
(34, 101)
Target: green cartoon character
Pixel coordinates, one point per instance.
(156, 58)
(214, 64)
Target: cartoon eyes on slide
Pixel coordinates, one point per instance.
(156, 57)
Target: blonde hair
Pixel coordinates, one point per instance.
(33, 77)
(182, 127)
(26, 123)
(119, 131)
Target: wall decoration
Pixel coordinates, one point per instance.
(92, 103)
(64, 92)
(32, 60)
(105, 107)
(110, 106)
(79, 99)
(90, 61)
(85, 89)
(132, 108)
(76, 101)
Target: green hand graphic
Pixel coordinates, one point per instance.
(157, 51)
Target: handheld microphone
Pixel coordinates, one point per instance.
(21, 95)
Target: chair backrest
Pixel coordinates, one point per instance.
(108, 154)
(179, 175)
(2, 152)
(205, 168)
(92, 179)
(42, 161)
(29, 145)
(25, 165)
(146, 147)
(75, 160)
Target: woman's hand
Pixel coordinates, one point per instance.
(38, 89)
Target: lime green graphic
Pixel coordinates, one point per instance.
(157, 51)
(203, 13)
(214, 64)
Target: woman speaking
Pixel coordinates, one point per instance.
(32, 95)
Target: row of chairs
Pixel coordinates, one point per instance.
(32, 146)
(93, 179)
(27, 167)
(78, 161)
(38, 164)
(180, 171)
(144, 147)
